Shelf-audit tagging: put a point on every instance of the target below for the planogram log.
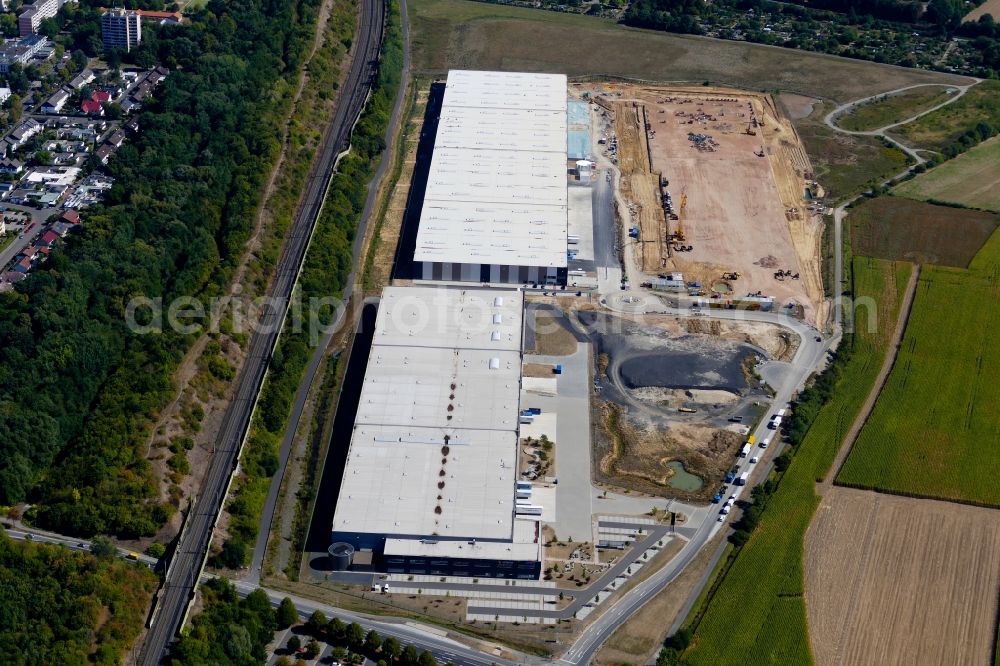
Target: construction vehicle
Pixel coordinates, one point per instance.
(749, 130)
(679, 234)
(732, 275)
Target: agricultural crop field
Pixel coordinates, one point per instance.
(476, 35)
(892, 109)
(934, 428)
(894, 581)
(891, 227)
(758, 615)
(939, 129)
(971, 179)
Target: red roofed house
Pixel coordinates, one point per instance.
(91, 107)
(22, 266)
(48, 238)
(71, 216)
(101, 96)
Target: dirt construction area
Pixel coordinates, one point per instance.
(895, 580)
(737, 175)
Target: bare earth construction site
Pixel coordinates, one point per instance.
(718, 184)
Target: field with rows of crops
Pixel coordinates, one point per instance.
(757, 615)
(933, 431)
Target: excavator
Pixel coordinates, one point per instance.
(678, 235)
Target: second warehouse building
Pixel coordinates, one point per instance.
(429, 486)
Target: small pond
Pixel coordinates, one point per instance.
(683, 479)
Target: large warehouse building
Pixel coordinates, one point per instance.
(429, 481)
(495, 205)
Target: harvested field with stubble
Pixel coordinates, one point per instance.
(476, 35)
(893, 580)
(891, 227)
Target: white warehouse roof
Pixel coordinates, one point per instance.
(436, 372)
(496, 189)
(412, 386)
(392, 476)
(430, 316)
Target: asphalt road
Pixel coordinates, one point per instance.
(267, 516)
(38, 217)
(192, 549)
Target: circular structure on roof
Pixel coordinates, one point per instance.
(341, 555)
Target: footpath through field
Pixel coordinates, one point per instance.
(883, 375)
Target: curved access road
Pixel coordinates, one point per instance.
(831, 117)
(171, 606)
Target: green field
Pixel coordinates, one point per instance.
(897, 228)
(476, 35)
(939, 129)
(758, 614)
(971, 179)
(934, 428)
(892, 109)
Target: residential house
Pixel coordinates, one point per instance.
(116, 138)
(71, 216)
(63, 228)
(22, 266)
(82, 79)
(101, 96)
(5, 94)
(23, 133)
(11, 166)
(56, 102)
(103, 152)
(91, 108)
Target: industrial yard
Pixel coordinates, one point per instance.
(714, 184)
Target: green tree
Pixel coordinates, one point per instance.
(101, 546)
(317, 624)
(338, 632)
(373, 642)
(355, 636)
(410, 656)
(391, 648)
(427, 659)
(287, 613)
(312, 649)
(293, 644)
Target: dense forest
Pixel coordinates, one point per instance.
(62, 607)
(77, 388)
(229, 630)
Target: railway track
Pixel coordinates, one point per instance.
(174, 598)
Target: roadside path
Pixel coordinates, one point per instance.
(883, 375)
